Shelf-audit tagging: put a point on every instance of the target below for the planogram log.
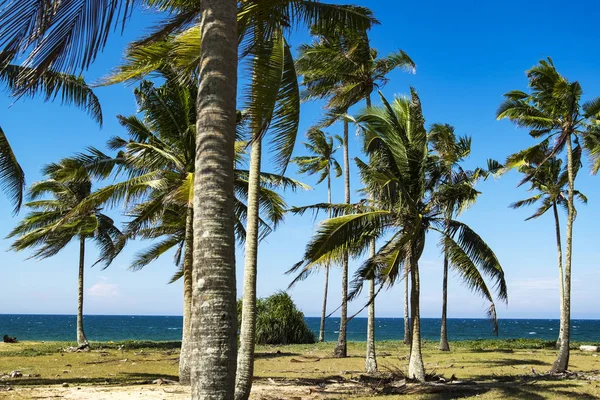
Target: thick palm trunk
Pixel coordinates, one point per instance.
(560, 272)
(416, 369)
(245, 368)
(341, 347)
(562, 361)
(188, 262)
(214, 315)
(444, 346)
(371, 359)
(81, 339)
(324, 308)
(407, 335)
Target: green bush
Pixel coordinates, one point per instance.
(278, 321)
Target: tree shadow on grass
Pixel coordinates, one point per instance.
(124, 378)
(275, 355)
(508, 362)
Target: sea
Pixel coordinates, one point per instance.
(166, 328)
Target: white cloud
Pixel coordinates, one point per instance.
(104, 288)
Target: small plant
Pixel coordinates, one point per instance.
(278, 321)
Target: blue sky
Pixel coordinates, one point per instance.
(467, 53)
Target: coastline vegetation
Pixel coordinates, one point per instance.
(177, 175)
(488, 369)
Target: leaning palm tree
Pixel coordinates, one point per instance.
(340, 66)
(553, 112)
(549, 182)
(405, 207)
(51, 224)
(323, 162)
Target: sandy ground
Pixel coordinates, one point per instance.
(174, 392)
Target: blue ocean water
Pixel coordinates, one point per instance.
(110, 327)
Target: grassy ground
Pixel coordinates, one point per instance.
(478, 369)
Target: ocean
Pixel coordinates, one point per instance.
(116, 328)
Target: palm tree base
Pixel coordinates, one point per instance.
(444, 346)
(340, 350)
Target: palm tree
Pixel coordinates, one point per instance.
(51, 224)
(451, 151)
(56, 42)
(158, 158)
(322, 161)
(553, 111)
(341, 67)
(549, 181)
(405, 207)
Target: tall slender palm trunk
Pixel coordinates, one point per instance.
(371, 359)
(214, 314)
(416, 369)
(341, 347)
(245, 367)
(407, 335)
(81, 339)
(188, 261)
(324, 308)
(561, 277)
(562, 361)
(444, 345)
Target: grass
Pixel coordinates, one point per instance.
(490, 369)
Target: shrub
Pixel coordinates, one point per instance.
(278, 321)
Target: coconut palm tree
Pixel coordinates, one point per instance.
(57, 42)
(271, 103)
(322, 161)
(451, 151)
(51, 224)
(158, 159)
(406, 206)
(340, 66)
(549, 182)
(553, 112)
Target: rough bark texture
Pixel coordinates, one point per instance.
(214, 316)
(562, 361)
(81, 339)
(560, 271)
(324, 308)
(406, 303)
(188, 262)
(416, 369)
(444, 346)
(341, 347)
(371, 359)
(245, 367)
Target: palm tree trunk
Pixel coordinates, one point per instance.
(341, 348)
(81, 339)
(371, 359)
(444, 346)
(245, 368)
(560, 272)
(416, 369)
(188, 262)
(214, 314)
(324, 308)
(562, 361)
(407, 335)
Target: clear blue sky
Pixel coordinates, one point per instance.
(467, 53)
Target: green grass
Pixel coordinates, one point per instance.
(493, 369)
